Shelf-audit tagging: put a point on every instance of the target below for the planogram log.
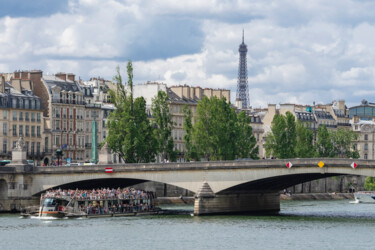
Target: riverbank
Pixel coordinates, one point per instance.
(283, 197)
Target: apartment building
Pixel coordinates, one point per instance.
(21, 115)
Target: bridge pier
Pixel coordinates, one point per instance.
(209, 203)
(237, 203)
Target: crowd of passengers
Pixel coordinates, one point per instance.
(99, 208)
(99, 194)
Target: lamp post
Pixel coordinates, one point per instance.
(94, 139)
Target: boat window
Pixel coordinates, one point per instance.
(49, 202)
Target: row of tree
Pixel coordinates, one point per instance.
(291, 139)
(217, 134)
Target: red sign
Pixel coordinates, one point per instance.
(109, 170)
(289, 165)
(354, 165)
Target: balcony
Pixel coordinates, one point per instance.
(88, 145)
(33, 119)
(57, 116)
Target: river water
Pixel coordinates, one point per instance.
(300, 225)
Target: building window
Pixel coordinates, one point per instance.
(14, 115)
(365, 156)
(14, 144)
(4, 146)
(33, 131)
(27, 130)
(70, 140)
(70, 113)
(5, 114)
(366, 137)
(57, 124)
(33, 117)
(64, 124)
(5, 128)
(64, 112)
(20, 130)
(14, 130)
(21, 116)
(38, 147)
(57, 113)
(87, 114)
(14, 103)
(27, 146)
(38, 117)
(32, 148)
(27, 116)
(32, 104)
(26, 104)
(70, 125)
(57, 140)
(366, 146)
(38, 131)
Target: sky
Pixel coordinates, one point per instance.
(298, 51)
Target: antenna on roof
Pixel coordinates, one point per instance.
(243, 35)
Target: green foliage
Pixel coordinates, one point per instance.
(305, 137)
(336, 143)
(130, 132)
(370, 184)
(164, 125)
(324, 143)
(219, 134)
(190, 151)
(342, 140)
(246, 142)
(282, 140)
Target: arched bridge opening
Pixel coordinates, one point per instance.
(276, 183)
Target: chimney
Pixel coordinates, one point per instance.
(16, 83)
(17, 74)
(198, 92)
(186, 92)
(61, 75)
(177, 90)
(24, 75)
(341, 105)
(192, 90)
(2, 84)
(71, 77)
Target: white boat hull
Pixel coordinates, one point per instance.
(365, 197)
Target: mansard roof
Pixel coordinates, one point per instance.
(52, 80)
(305, 116)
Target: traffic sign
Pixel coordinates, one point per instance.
(109, 170)
(353, 165)
(321, 164)
(289, 165)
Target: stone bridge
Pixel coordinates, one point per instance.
(219, 187)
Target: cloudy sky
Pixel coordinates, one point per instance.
(298, 51)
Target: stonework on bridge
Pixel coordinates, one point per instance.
(220, 187)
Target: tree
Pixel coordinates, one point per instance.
(324, 143)
(370, 183)
(129, 130)
(214, 129)
(164, 125)
(190, 151)
(304, 145)
(281, 141)
(246, 142)
(342, 143)
(220, 134)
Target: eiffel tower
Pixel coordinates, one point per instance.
(242, 87)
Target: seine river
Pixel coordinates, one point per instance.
(300, 225)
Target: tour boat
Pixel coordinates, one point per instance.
(70, 207)
(364, 197)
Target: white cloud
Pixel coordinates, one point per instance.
(298, 51)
